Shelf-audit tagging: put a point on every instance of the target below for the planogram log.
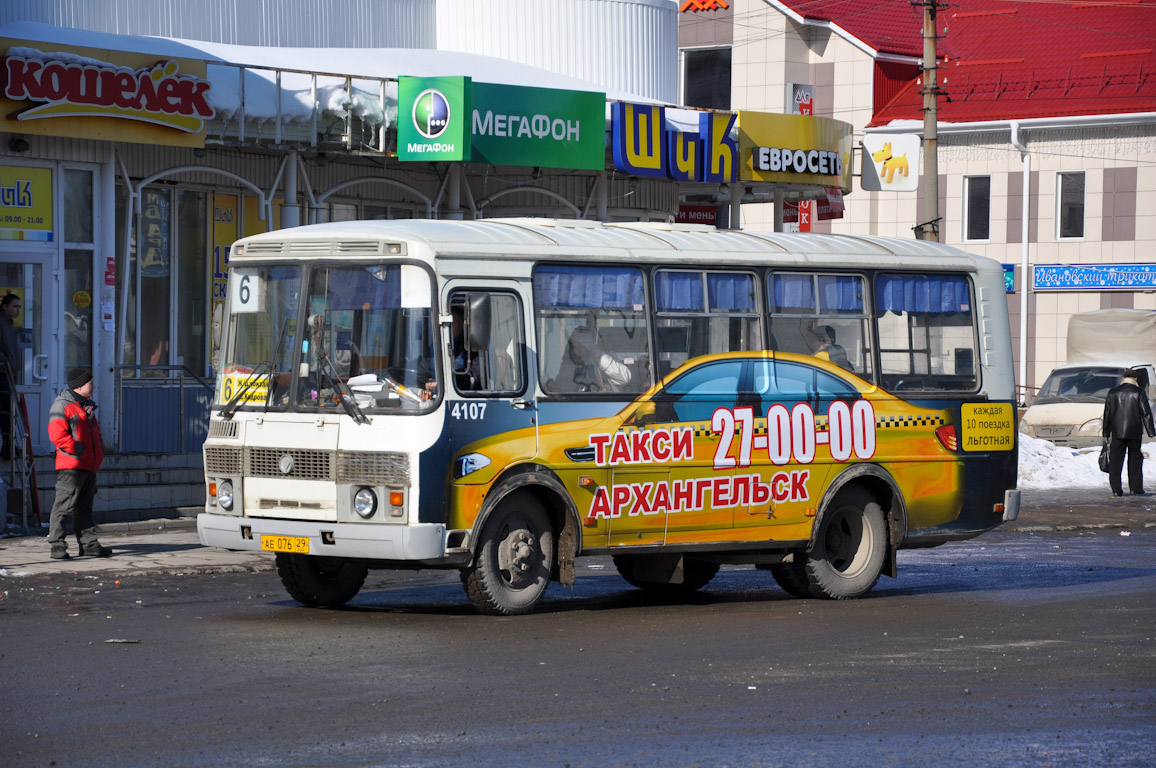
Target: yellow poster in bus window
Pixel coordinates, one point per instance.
(25, 203)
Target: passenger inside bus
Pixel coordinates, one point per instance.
(588, 364)
(824, 347)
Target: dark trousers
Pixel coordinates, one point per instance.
(75, 490)
(1135, 465)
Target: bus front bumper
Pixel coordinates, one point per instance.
(422, 542)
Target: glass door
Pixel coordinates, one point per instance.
(25, 275)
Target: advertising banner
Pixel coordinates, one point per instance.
(1093, 277)
(643, 145)
(225, 231)
(795, 149)
(891, 163)
(25, 203)
(433, 118)
(514, 125)
(100, 94)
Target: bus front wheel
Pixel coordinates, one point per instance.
(850, 546)
(320, 582)
(515, 556)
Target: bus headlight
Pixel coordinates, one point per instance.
(365, 503)
(471, 462)
(225, 495)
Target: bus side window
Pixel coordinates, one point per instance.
(486, 343)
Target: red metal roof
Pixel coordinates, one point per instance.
(1015, 59)
(889, 26)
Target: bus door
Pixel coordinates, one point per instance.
(695, 412)
(488, 388)
(795, 449)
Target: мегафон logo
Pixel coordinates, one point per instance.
(431, 113)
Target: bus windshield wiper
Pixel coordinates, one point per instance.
(246, 385)
(256, 375)
(344, 393)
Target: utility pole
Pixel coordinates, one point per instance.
(928, 229)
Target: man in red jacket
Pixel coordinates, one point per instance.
(74, 430)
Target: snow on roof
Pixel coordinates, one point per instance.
(258, 65)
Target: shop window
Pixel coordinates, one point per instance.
(977, 207)
(164, 285)
(78, 308)
(77, 206)
(706, 74)
(1070, 205)
(192, 299)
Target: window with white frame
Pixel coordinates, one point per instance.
(977, 207)
(1069, 205)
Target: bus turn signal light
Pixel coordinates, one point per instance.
(947, 437)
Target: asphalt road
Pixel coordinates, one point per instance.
(1018, 648)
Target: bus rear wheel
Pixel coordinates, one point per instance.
(512, 565)
(850, 546)
(320, 582)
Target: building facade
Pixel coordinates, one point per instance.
(1046, 135)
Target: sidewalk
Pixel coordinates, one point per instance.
(171, 546)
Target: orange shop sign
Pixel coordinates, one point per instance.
(703, 5)
(132, 97)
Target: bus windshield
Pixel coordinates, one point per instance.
(368, 337)
(371, 328)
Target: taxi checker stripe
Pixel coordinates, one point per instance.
(920, 420)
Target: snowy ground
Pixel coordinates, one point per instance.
(1045, 466)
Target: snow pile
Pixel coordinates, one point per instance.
(1046, 466)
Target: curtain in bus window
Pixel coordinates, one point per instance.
(793, 292)
(593, 287)
(923, 294)
(731, 292)
(678, 291)
(380, 287)
(840, 294)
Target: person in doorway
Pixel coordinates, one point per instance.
(10, 307)
(1127, 416)
(74, 430)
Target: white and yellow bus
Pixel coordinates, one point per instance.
(503, 396)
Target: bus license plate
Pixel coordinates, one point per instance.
(296, 544)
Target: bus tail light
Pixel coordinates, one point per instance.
(947, 437)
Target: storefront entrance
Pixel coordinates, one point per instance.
(36, 328)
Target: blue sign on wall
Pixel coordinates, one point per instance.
(1094, 277)
(1009, 278)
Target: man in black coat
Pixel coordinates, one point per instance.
(1127, 416)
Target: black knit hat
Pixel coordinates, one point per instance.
(78, 377)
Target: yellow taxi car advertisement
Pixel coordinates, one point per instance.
(749, 466)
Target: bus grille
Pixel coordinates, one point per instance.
(306, 465)
(223, 461)
(390, 469)
(222, 428)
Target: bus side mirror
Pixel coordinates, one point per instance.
(478, 321)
